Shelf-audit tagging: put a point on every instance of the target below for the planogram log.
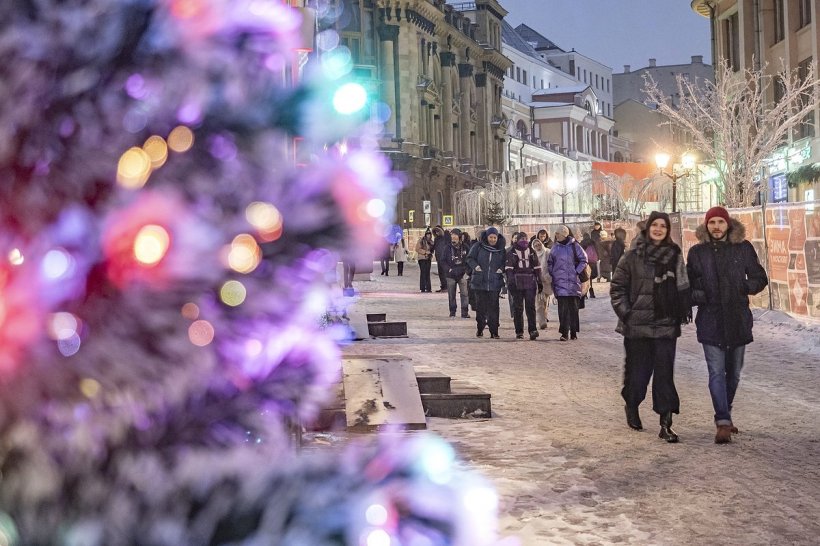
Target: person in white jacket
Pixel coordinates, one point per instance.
(542, 299)
(400, 255)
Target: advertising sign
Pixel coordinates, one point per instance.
(779, 188)
(425, 207)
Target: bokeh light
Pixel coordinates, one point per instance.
(62, 325)
(376, 514)
(267, 220)
(201, 333)
(437, 461)
(244, 254)
(190, 311)
(90, 387)
(327, 40)
(16, 257)
(134, 168)
(378, 537)
(151, 244)
(337, 63)
(69, 346)
(232, 293)
(376, 208)
(157, 150)
(181, 139)
(349, 98)
(57, 263)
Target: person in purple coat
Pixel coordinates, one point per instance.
(567, 260)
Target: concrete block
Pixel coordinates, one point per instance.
(432, 382)
(376, 317)
(387, 329)
(463, 401)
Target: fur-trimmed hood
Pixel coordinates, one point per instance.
(737, 232)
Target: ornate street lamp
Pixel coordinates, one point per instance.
(687, 162)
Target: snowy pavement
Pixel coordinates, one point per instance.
(568, 469)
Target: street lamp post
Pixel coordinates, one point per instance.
(554, 185)
(687, 162)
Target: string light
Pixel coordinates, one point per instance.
(157, 150)
(133, 168)
(181, 139)
(151, 244)
(232, 293)
(201, 333)
(244, 255)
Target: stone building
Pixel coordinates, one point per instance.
(773, 34)
(439, 69)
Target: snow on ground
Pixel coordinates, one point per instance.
(558, 450)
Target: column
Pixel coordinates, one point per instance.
(388, 36)
(483, 125)
(465, 74)
(448, 61)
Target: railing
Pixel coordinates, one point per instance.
(464, 6)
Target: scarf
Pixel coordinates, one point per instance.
(671, 287)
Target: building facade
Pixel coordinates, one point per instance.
(439, 70)
(629, 85)
(773, 34)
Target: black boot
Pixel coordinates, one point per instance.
(666, 432)
(633, 419)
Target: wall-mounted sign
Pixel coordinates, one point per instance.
(447, 220)
(411, 214)
(425, 207)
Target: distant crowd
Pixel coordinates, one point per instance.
(652, 292)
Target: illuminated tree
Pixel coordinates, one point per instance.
(738, 122)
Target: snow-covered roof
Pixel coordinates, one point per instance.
(534, 37)
(510, 37)
(562, 90)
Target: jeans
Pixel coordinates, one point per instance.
(400, 267)
(523, 300)
(461, 284)
(651, 358)
(424, 275)
(385, 266)
(486, 313)
(568, 321)
(724, 376)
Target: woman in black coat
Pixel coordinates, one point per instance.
(650, 295)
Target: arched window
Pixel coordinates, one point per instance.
(521, 129)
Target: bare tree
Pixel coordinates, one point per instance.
(739, 121)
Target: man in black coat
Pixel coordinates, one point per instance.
(441, 239)
(723, 272)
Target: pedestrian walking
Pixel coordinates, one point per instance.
(468, 243)
(441, 239)
(487, 260)
(566, 262)
(618, 247)
(454, 259)
(424, 253)
(400, 256)
(513, 239)
(542, 299)
(605, 257)
(524, 282)
(387, 255)
(651, 297)
(348, 272)
(591, 250)
(724, 271)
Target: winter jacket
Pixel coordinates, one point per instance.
(440, 242)
(454, 260)
(543, 253)
(491, 260)
(723, 275)
(591, 249)
(605, 255)
(632, 295)
(615, 253)
(522, 269)
(566, 260)
(424, 249)
(400, 252)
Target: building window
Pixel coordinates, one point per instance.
(524, 81)
(596, 82)
(779, 23)
(542, 83)
(731, 41)
(518, 74)
(805, 12)
(572, 66)
(607, 85)
(533, 83)
(585, 75)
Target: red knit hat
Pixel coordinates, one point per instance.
(718, 212)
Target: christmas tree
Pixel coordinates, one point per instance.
(495, 214)
(164, 269)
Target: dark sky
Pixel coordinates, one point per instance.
(618, 32)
